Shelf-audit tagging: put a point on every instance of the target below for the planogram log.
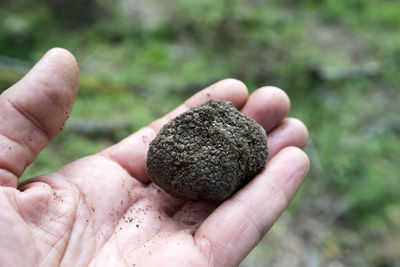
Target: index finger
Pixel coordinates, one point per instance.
(131, 153)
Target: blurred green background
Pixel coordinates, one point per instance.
(339, 61)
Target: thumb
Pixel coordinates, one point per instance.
(33, 111)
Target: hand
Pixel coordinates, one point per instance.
(103, 209)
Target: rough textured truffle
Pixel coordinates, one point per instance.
(207, 153)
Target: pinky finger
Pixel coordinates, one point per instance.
(236, 226)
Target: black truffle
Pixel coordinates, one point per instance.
(207, 153)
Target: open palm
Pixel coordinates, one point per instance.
(104, 210)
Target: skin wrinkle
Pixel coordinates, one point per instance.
(66, 225)
(53, 247)
(280, 190)
(119, 249)
(5, 164)
(12, 200)
(205, 247)
(53, 95)
(113, 234)
(216, 247)
(54, 215)
(75, 224)
(40, 227)
(142, 243)
(145, 242)
(66, 237)
(304, 170)
(7, 178)
(21, 213)
(133, 201)
(279, 137)
(253, 219)
(265, 94)
(31, 221)
(30, 117)
(15, 140)
(177, 218)
(279, 128)
(11, 197)
(71, 228)
(151, 237)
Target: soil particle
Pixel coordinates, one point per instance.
(207, 153)
(145, 139)
(57, 197)
(189, 222)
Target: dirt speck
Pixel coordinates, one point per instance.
(57, 197)
(189, 222)
(145, 139)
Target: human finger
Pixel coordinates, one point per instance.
(33, 111)
(290, 132)
(268, 106)
(237, 225)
